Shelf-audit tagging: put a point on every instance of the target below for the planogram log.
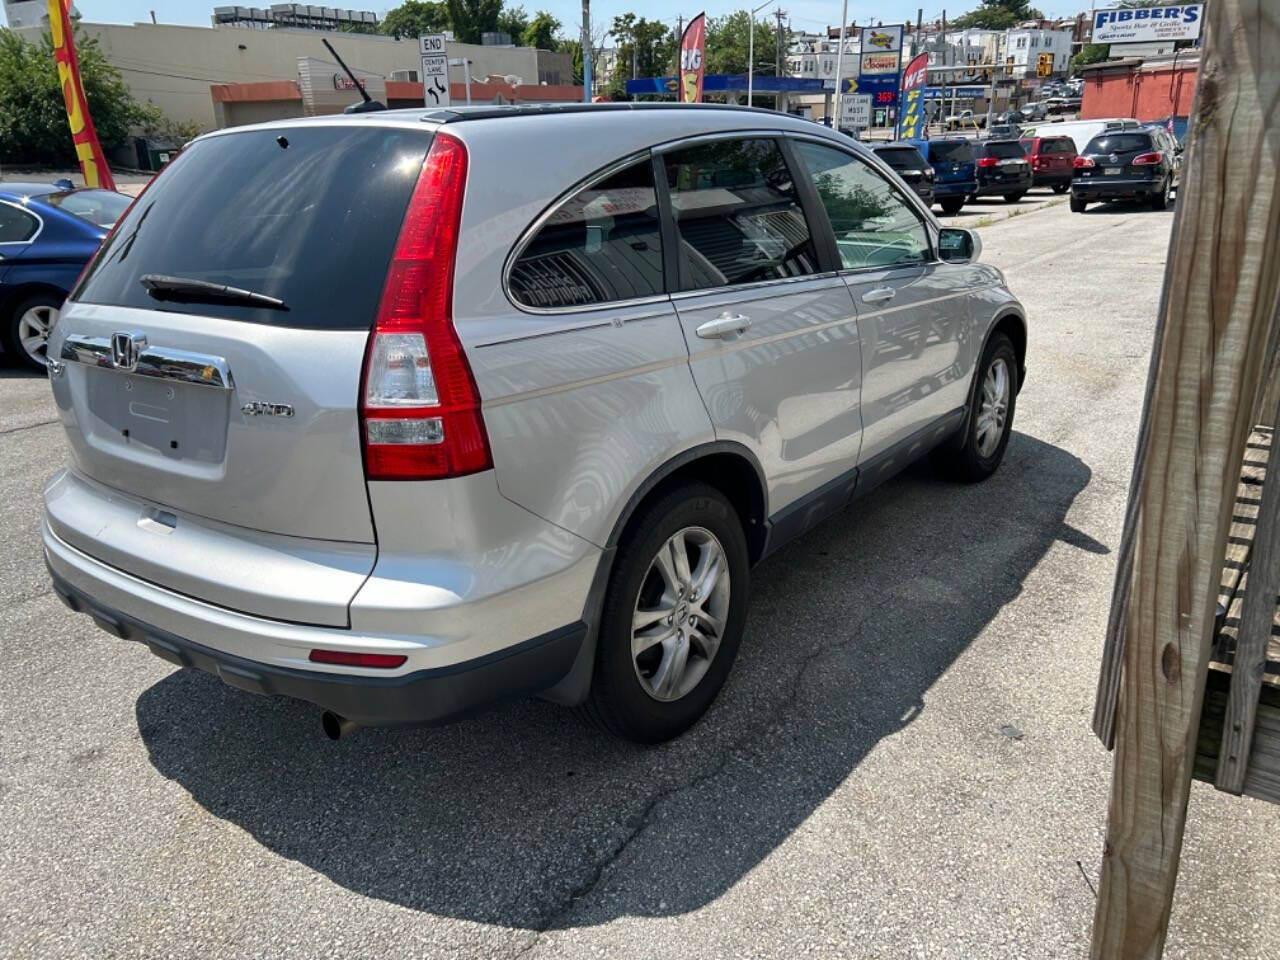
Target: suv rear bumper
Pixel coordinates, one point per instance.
(421, 697)
(1116, 189)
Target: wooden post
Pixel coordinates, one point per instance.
(1219, 306)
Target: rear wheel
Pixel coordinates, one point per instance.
(1160, 200)
(673, 616)
(1014, 197)
(1078, 205)
(951, 205)
(26, 330)
(990, 419)
(1061, 187)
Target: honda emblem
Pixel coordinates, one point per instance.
(125, 347)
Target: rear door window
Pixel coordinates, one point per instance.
(309, 215)
(602, 245)
(16, 226)
(738, 214)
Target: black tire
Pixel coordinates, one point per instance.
(1160, 201)
(9, 329)
(1061, 187)
(1014, 197)
(965, 461)
(619, 702)
(1078, 205)
(951, 205)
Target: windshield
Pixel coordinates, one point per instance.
(102, 208)
(306, 215)
(902, 158)
(954, 151)
(1119, 143)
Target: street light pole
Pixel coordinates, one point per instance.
(586, 51)
(751, 47)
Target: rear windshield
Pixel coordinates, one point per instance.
(1119, 143)
(102, 208)
(309, 215)
(953, 151)
(1003, 148)
(902, 158)
(1057, 146)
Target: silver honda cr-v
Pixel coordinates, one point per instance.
(404, 413)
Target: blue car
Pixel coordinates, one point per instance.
(48, 232)
(955, 170)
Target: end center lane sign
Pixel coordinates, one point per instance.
(435, 70)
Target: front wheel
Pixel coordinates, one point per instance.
(1078, 205)
(990, 419)
(1014, 197)
(952, 205)
(673, 616)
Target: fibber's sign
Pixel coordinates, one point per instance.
(1144, 24)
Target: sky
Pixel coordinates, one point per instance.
(810, 15)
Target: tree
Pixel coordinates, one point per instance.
(33, 118)
(413, 18)
(998, 15)
(729, 41)
(541, 32)
(472, 18)
(1089, 53)
(644, 46)
(514, 22)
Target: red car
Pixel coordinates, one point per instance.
(1051, 161)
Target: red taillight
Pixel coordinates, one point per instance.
(419, 407)
(988, 161)
(1147, 159)
(1081, 163)
(345, 658)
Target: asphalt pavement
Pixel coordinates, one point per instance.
(900, 765)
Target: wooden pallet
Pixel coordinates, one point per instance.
(1259, 774)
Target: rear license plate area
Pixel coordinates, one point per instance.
(1112, 171)
(139, 415)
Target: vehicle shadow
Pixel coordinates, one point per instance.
(510, 816)
(1113, 207)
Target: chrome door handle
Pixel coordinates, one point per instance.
(725, 325)
(879, 295)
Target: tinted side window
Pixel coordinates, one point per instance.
(874, 226)
(16, 225)
(601, 245)
(738, 214)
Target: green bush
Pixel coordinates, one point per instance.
(33, 117)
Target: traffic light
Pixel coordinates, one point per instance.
(1044, 65)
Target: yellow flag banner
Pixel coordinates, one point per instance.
(92, 163)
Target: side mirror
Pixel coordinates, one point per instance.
(959, 246)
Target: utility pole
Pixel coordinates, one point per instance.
(915, 40)
(777, 66)
(844, 19)
(586, 51)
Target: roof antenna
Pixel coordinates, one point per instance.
(369, 104)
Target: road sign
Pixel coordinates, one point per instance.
(855, 111)
(435, 70)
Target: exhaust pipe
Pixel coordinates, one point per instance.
(335, 726)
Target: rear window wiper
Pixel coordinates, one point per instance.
(184, 288)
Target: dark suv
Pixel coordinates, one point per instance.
(1003, 169)
(910, 166)
(1131, 165)
(1051, 160)
(954, 168)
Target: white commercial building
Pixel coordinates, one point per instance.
(1023, 48)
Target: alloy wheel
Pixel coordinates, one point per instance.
(34, 327)
(994, 407)
(680, 614)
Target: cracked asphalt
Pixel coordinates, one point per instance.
(900, 766)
